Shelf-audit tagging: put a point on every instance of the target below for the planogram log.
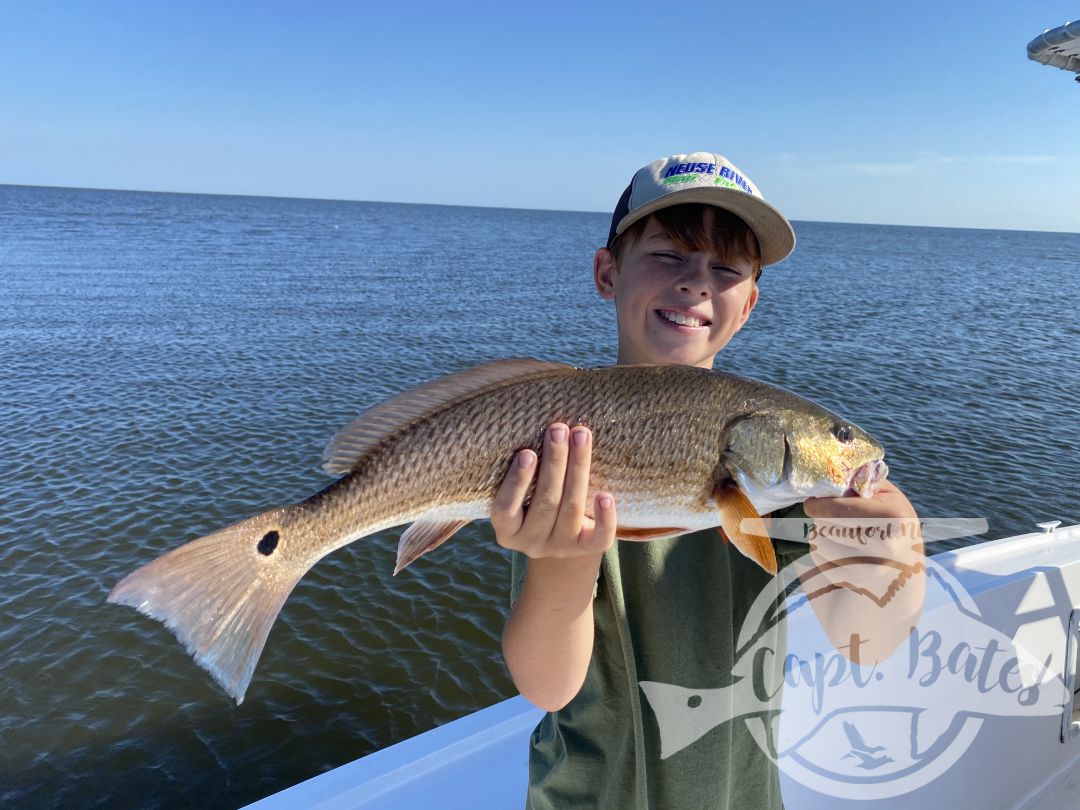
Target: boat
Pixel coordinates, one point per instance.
(1059, 48)
(1022, 590)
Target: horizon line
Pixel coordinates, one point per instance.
(488, 207)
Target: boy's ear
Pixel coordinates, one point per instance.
(748, 307)
(604, 273)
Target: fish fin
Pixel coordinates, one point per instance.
(736, 511)
(631, 533)
(380, 422)
(422, 537)
(220, 595)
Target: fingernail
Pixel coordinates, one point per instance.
(604, 501)
(579, 437)
(558, 435)
(525, 459)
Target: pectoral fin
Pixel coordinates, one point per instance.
(422, 537)
(743, 526)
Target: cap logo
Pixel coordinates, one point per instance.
(692, 172)
(732, 179)
(687, 173)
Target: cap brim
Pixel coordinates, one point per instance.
(774, 233)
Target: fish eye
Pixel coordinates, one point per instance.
(844, 433)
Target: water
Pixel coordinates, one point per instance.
(171, 363)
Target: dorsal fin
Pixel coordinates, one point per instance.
(381, 421)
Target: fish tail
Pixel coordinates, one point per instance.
(220, 595)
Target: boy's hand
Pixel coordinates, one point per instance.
(887, 502)
(548, 639)
(870, 552)
(556, 523)
(883, 526)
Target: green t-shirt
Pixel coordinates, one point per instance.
(666, 611)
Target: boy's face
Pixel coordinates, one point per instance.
(658, 284)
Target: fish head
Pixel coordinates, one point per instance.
(783, 456)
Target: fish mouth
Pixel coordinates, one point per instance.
(682, 317)
(864, 479)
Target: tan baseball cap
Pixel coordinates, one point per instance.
(704, 177)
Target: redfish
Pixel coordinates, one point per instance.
(680, 448)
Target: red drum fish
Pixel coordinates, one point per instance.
(681, 449)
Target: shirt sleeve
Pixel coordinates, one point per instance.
(787, 551)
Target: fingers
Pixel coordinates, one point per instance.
(599, 537)
(575, 484)
(547, 497)
(556, 522)
(884, 525)
(507, 510)
(887, 502)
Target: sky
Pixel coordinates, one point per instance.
(914, 113)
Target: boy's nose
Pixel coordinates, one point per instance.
(696, 281)
(700, 289)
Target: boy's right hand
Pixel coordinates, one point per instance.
(556, 523)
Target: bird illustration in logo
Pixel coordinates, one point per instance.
(863, 752)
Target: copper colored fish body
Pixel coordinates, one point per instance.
(681, 449)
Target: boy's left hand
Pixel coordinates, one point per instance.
(870, 552)
(884, 526)
(886, 502)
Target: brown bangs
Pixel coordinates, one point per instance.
(730, 237)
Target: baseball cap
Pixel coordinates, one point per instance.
(704, 177)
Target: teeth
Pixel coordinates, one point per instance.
(682, 320)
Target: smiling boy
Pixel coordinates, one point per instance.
(593, 619)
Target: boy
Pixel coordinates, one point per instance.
(592, 619)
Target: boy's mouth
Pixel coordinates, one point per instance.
(678, 318)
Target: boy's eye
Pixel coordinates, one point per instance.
(668, 255)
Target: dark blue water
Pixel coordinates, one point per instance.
(172, 363)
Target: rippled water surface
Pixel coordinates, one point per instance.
(172, 363)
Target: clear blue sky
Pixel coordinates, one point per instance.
(907, 113)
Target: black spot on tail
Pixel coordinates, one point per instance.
(693, 701)
(268, 543)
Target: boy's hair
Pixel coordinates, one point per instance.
(730, 237)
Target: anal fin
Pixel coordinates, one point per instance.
(744, 527)
(422, 536)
